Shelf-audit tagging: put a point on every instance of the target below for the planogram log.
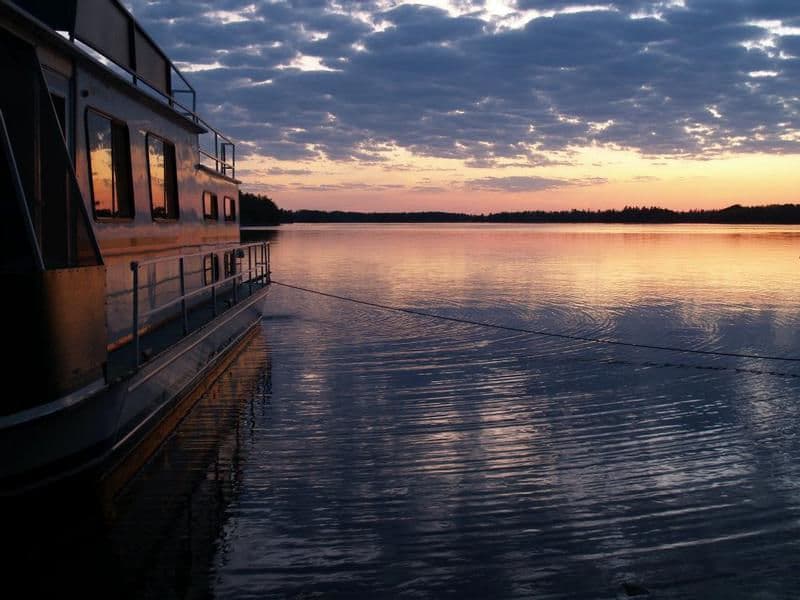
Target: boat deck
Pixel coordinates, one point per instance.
(122, 361)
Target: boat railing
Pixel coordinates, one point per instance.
(214, 147)
(222, 154)
(257, 272)
(107, 33)
(218, 151)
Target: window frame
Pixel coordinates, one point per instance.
(165, 142)
(129, 164)
(214, 214)
(229, 218)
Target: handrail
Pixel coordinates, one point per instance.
(258, 259)
(168, 100)
(170, 257)
(136, 78)
(217, 160)
(197, 291)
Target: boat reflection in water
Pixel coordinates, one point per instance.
(153, 535)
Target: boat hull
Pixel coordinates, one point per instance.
(95, 430)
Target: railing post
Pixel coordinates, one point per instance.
(250, 269)
(216, 151)
(214, 278)
(235, 270)
(269, 271)
(135, 332)
(183, 298)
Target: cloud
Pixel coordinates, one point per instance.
(530, 160)
(281, 171)
(675, 80)
(346, 187)
(428, 189)
(517, 184)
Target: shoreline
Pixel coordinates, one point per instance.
(775, 214)
(638, 223)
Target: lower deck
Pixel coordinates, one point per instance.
(179, 335)
(154, 341)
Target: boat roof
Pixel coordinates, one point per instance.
(102, 33)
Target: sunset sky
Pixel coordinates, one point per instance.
(488, 105)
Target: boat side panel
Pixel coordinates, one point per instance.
(57, 332)
(121, 416)
(143, 234)
(125, 240)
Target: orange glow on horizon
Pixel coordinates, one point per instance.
(592, 178)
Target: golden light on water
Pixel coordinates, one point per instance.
(593, 266)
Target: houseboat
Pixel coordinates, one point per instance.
(125, 282)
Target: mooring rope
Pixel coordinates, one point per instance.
(550, 334)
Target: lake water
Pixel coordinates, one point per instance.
(358, 452)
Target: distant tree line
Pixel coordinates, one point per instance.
(260, 210)
(339, 216)
(255, 210)
(770, 214)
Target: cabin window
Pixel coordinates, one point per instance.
(163, 178)
(230, 264)
(230, 209)
(110, 167)
(210, 269)
(210, 210)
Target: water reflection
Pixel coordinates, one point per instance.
(586, 278)
(155, 537)
(370, 454)
(410, 457)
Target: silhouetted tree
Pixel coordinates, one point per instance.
(255, 209)
(261, 210)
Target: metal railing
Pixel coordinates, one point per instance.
(258, 272)
(223, 149)
(223, 146)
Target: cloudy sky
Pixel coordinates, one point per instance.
(486, 105)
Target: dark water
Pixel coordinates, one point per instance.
(357, 452)
(156, 537)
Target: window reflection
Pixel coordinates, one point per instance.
(110, 166)
(210, 209)
(230, 209)
(163, 178)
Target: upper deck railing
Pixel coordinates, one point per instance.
(215, 149)
(105, 31)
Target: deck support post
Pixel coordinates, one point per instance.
(266, 267)
(250, 269)
(184, 312)
(135, 332)
(214, 297)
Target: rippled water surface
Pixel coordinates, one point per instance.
(401, 456)
(356, 452)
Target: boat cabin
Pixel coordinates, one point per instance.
(120, 201)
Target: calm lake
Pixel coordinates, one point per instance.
(357, 452)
